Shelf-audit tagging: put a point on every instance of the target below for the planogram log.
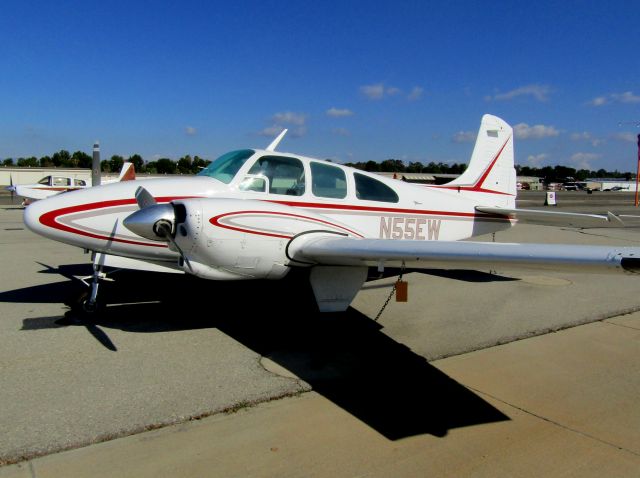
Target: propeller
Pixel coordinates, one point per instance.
(154, 221)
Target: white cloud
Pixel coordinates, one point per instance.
(341, 132)
(586, 136)
(464, 137)
(289, 117)
(538, 92)
(339, 113)
(539, 131)
(270, 131)
(599, 101)
(625, 98)
(583, 160)
(379, 91)
(537, 160)
(415, 94)
(373, 92)
(295, 122)
(190, 130)
(626, 137)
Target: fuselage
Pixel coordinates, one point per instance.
(359, 203)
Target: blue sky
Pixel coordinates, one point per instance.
(352, 80)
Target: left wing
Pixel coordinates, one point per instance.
(349, 251)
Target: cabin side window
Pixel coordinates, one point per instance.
(57, 181)
(328, 181)
(371, 189)
(284, 175)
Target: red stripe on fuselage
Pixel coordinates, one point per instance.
(49, 219)
(216, 222)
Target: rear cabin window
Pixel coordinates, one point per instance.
(328, 181)
(371, 189)
(284, 175)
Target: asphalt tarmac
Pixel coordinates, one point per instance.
(171, 350)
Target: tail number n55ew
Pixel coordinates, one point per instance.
(410, 228)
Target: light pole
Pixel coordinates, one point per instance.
(638, 171)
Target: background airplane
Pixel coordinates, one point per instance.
(59, 183)
(258, 214)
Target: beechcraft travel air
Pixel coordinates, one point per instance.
(257, 214)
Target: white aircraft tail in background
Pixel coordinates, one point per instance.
(60, 183)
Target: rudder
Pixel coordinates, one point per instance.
(491, 168)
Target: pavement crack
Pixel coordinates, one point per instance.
(593, 234)
(553, 422)
(620, 325)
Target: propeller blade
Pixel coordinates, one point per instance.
(144, 198)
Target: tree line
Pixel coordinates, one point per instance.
(191, 165)
(549, 174)
(64, 159)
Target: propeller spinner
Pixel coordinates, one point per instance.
(154, 221)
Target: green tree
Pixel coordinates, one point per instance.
(31, 162)
(7, 162)
(81, 159)
(105, 166)
(415, 167)
(45, 162)
(138, 162)
(151, 167)
(116, 162)
(199, 164)
(61, 159)
(185, 165)
(165, 166)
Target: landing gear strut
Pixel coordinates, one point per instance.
(86, 302)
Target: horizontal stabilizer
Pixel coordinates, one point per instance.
(556, 218)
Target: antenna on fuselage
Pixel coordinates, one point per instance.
(274, 144)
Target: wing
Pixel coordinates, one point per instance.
(557, 218)
(349, 251)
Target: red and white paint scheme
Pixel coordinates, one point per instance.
(256, 214)
(56, 184)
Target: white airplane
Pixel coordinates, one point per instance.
(56, 184)
(257, 214)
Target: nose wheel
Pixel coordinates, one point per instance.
(87, 302)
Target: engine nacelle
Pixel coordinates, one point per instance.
(234, 239)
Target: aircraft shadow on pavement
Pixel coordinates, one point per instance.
(345, 357)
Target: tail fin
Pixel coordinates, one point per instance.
(127, 173)
(491, 167)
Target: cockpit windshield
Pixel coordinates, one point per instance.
(226, 166)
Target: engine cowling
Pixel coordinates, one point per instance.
(234, 239)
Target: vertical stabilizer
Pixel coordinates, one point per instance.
(491, 168)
